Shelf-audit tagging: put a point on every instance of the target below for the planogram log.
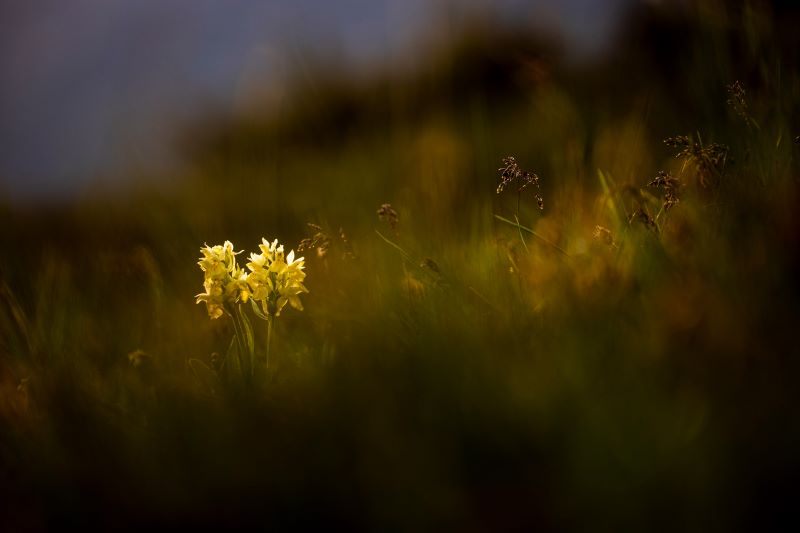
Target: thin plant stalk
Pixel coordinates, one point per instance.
(246, 333)
(269, 338)
(239, 343)
(521, 237)
(530, 231)
(395, 246)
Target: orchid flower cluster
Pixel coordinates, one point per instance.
(274, 280)
(225, 283)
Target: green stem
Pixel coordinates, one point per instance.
(269, 338)
(405, 255)
(395, 246)
(521, 237)
(246, 333)
(530, 231)
(239, 343)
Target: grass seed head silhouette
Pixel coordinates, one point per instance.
(389, 215)
(671, 187)
(708, 160)
(738, 102)
(511, 172)
(603, 235)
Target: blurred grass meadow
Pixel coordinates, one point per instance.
(623, 359)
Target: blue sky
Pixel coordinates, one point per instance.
(89, 85)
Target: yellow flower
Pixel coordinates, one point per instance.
(218, 261)
(224, 283)
(237, 288)
(213, 297)
(276, 279)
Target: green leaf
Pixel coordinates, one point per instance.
(247, 331)
(257, 311)
(612, 204)
(234, 362)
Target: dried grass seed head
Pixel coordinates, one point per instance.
(511, 172)
(670, 185)
(738, 102)
(641, 215)
(603, 235)
(323, 242)
(708, 160)
(389, 215)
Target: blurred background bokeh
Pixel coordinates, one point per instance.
(105, 86)
(614, 361)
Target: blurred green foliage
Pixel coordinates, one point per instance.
(479, 378)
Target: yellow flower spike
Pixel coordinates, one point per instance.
(276, 278)
(224, 282)
(256, 261)
(242, 286)
(213, 300)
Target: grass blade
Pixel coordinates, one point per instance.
(530, 231)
